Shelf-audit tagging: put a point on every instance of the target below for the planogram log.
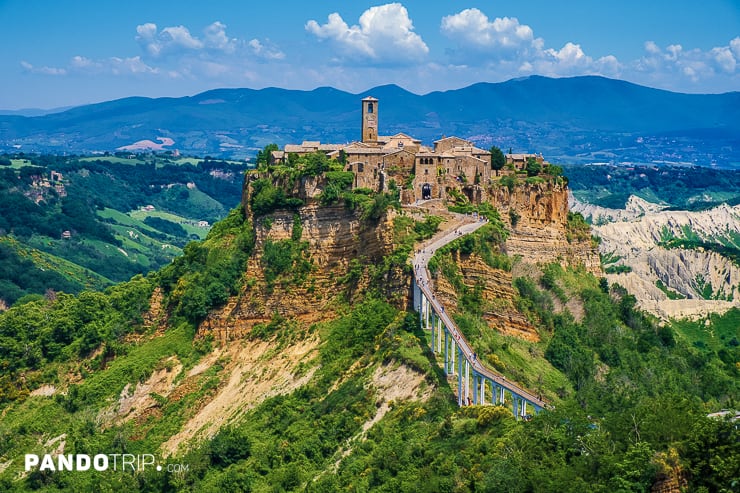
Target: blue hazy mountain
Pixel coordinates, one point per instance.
(579, 119)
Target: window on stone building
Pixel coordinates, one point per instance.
(370, 107)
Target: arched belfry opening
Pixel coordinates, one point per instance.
(370, 120)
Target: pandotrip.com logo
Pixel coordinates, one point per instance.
(100, 462)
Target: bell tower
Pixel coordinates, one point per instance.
(370, 120)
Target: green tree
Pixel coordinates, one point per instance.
(533, 167)
(263, 156)
(498, 160)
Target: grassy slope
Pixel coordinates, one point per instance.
(70, 270)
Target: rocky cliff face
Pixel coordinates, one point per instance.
(537, 216)
(498, 297)
(334, 235)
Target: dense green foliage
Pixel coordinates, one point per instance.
(683, 188)
(38, 333)
(267, 197)
(92, 202)
(165, 226)
(577, 229)
(284, 257)
(533, 168)
(21, 276)
(209, 272)
(487, 242)
(630, 393)
(636, 406)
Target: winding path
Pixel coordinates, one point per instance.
(429, 308)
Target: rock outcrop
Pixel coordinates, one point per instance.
(334, 236)
(497, 294)
(537, 216)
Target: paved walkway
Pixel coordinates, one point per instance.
(423, 279)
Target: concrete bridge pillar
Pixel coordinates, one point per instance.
(475, 388)
(431, 326)
(467, 381)
(459, 377)
(439, 334)
(447, 353)
(452, 350)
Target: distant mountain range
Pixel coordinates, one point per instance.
(580, 119)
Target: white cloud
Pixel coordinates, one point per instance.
(266, 51)
(130, 65)
(168, 40)
(571, 60)
(511, 48)
(502, 38)
(177, 40)
(385, 35)
(174, 53)
(216, 38)
(724, 58)
(83, 65)
(695, 64)
(735, 47)
(42, 70)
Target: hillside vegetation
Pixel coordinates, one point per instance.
(74, 223)
(351, 399)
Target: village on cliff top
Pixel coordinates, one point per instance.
(427, 173)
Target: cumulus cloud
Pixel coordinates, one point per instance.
(174, 52)
(169, 40)
(265, 50)
(130, 65)
(177, 41)
(512, 47)
(694, 64)
(503, 37)
(385, 35)
(216, 38)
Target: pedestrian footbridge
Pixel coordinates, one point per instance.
(476, 384)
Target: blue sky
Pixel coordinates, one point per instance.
(61, 53)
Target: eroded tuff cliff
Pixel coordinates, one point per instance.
(332, 240)
(537, 217)
(331, 237)
(497, 307)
